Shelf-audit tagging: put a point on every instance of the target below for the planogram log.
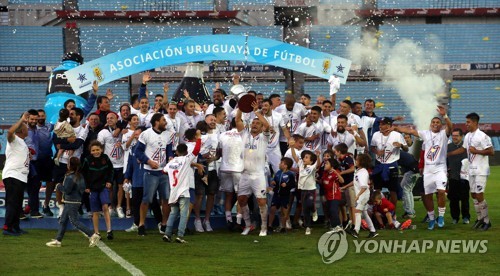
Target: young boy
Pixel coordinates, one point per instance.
(97, 170)
(178, 170)
(283, 183)
(298, 146)
(346, 163)
(384, 210)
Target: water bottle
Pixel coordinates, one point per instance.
(59, 90)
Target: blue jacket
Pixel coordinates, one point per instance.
(134, 171)
(72, 188)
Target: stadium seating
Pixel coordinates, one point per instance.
(341, 2)
(480, 96)
(36, 2)
(146, 5)
(435, 4)
(18, 97)
(333, 39)
(30, 45)
(496, 143)
(235, 4)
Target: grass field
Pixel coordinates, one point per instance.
(222, 252)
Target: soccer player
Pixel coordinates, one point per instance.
(478, 147)
(178, 170)
(293, 113)
(435, 170)
(253, 179)
(313, 129)
(276, 123)
(348, 134)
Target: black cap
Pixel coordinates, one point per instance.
(73, 56)
(386, 121)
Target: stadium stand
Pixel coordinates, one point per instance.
(341, 2)
(435, 4)
(237, 4)
(45, 45)
(146, 5)
(333, 39)
(480, 96)
(36, 2)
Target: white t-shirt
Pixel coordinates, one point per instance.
(231, 144)
(366, 123)
(352, 120)
(112, 147)
(361, 178)
(288, 154)
(81, 132)
(180, 175)
(211, 147)
(307, 177)
(175, 125)
(292, 118)
(254, 154)
(348, 139)
(381, 142)
(156, 147)
(308, 131)
(145, 119)
(478, 164)
(276, 123)
(436, 148)
(17, 160)
(126, 151)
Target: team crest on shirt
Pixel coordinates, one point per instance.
(433, 152)
(472, 156)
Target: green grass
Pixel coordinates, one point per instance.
(229, 253)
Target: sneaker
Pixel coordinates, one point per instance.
(208, 227)
(372, 235)
(308, 231)
(431, 224)
(109, 235)
(132, 228)
(198, 226)
(36, 215)
(440, 221)
(8, 232)
(263, 233)
(53, 243)
(94, 239)
(465, 221)
(163, 228)
(338, 228)
(454, 221)
(347, 225)
(47, 212)
(301, 223)
(315, 215)
(180, 240)
(120, 213)
(426, 219)
(352, 232)
(288, 224)
(128, 214)
(141, 231)
(478, 224)
(246, 230)
(486, 226)
(167, 238)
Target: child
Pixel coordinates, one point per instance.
(307, 182)
(178, 170)
(298, 146)
(384, 210)
(98, 172)
(331, 185)
(63, 130)
(346, 163)
(72, 188)
(283, 183)
(327, 154)
(360, 183)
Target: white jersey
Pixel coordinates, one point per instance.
(478, 164)
(180, 175)
(293, 118)
(348, 139)
(112, 147)
(307, 177)
(175, 125)
(276, 123)
(352, 120)
(436, 148)
(361, 178)
(254, 154)
(288, 154)
(81, 133)
(247, 118)
(464, 169)
(17, 160)
(133, 110)
(231, 144)
(145, 119)
(190, 121)
(366, 123)
(210, 146)
(381, 142)
(156, 147)
(126, 150)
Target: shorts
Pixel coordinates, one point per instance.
(362, 202)
(350, 197)
(391, 184)
(477, 183)
(118, 176)
(280, 201)
(229, 181)
(155, 181)
(253, 184)
(97, 199)
(434, 181)
(45, 168)
(207, 189)
(59, 172)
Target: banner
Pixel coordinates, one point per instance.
(206, 48)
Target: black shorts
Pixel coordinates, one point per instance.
(59, 172)
(45, 168)
(118, 177)
(391, 184)
(280, 201)
(210, 188)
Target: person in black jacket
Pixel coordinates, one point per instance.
(97, 170)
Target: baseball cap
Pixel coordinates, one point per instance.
(386, 121)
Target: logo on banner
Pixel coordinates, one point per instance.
(98, 73)
(326, 66)
(82, 77)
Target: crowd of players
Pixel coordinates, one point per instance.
(175, 157)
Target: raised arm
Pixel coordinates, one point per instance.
(406, 130)
(261, 118)
(12, 130)
(165, 92)
(449, 125)
(291, 143)
(240, 126)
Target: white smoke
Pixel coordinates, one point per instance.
(364, 51)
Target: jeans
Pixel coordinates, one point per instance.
(308, 206)
(14, 192)
(407, 184)
(70, 213)
(333, 209)
(180, 208)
